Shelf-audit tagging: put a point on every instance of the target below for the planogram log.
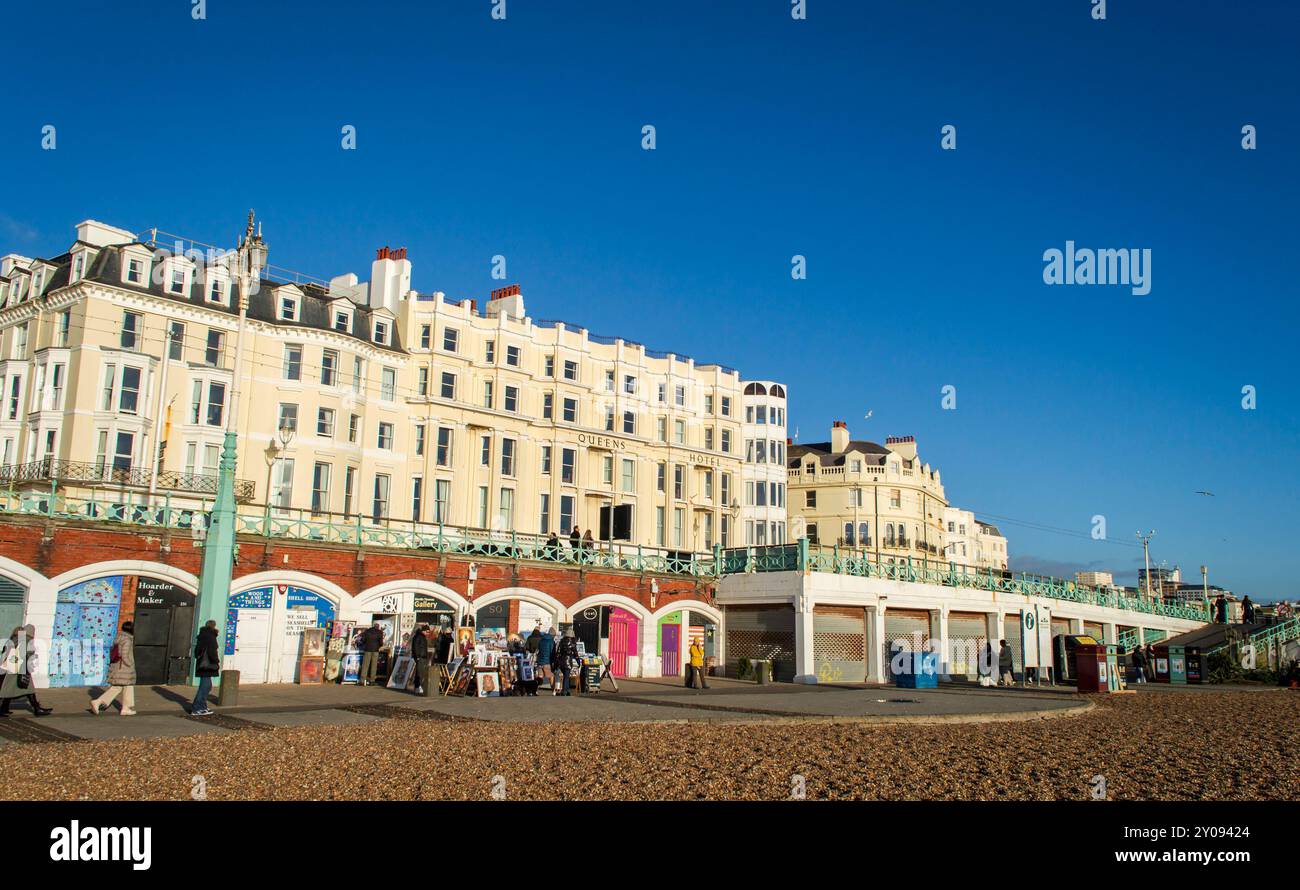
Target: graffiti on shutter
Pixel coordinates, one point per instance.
(967, 637)
(905, 631)
(840, 644)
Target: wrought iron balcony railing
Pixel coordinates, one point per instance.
(70, 472)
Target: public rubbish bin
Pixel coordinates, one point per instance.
(1195, 664)
(1160, 669)
(762, 671)
(1092, 668)
(1177, 666)
(228, 694)
(1114, 669)
(919, 670)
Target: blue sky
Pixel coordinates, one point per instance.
(776, 137)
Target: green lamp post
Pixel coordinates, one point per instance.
(245, 266)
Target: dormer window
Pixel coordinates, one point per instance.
(381, 332)
(342, 322)
(78, 266)
(38, 279)
(135, 271)
(217, 290)
(176, 281)
(288, 309)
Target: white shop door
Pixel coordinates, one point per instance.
(252, 639)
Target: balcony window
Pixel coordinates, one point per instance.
(388, 384)
(130, 396)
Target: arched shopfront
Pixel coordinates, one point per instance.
(266, 615)
(515, 610)
(90, 606)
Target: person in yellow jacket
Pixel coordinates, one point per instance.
(696, 669)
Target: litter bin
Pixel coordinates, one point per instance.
(1114, 669)
(228, 694)
(762, 671)
(920, 670)
(1177, 666)
(1161, 666)
(1092, 668)
(1195, 664)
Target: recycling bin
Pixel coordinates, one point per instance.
(920, 670)
(1195, 664)
(1114, 669)
(1177, 666)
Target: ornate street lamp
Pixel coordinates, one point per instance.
(219, 545)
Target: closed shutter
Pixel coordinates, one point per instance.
(905, 631)
(1060, 627)
(761, 633)
(967, 636)
(13, 598)
(1011, 633)
(840, 644)
(1094, 629)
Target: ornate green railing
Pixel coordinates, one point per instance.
(361, 532)
(1270, 635)
(804, 556)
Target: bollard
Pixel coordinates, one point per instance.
(228, 694)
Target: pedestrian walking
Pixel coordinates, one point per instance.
(1006, 662)
(121, 673)
(985, 666)
(372, 640)
(1221, 610)
(446, 639)
(207, 664)
(17, 663)
(695, 669)
(545, 656)
(420, 652)
(534, 641)
(566, 659)
(1247, 611)
(1139, 665)
(575, 543)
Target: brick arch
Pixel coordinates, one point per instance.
(446, 594)
(526, 594)
(127, 567)
(703, 608)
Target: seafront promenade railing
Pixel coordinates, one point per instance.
(803, 556)
(361, 531)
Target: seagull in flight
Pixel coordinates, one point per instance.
(868, 415)
(1208, 494)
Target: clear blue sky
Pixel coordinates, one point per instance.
(775, 137)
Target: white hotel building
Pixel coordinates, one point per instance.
(368, 401)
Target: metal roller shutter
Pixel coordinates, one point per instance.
(761, 632)
(967, 636)
(1011, 633)
(1060, 627)
(1094, 629)
(910, 630)
(840, 644)
(13, 600)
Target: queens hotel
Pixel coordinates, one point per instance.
(365, 400)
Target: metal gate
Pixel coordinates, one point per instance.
(761, 633)
(840, 644)
(905, 631)
(967, 636)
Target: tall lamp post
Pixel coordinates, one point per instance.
(219, 544)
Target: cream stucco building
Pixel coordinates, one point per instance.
(362, 400)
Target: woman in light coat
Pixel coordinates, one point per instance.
(17, 663)
(121, 674)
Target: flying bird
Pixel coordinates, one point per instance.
(868, 415)
(1208, 494)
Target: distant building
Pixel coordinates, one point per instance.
(1095, 579)
(992, 547)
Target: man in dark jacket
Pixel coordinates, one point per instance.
(566, 659)
(372, 640)
(1139, 665)
(545, 655)
(1221, 610)
(420, 652)
(1006, 664)
(534, 640)
(445, 641)
(1247, 611)
(207, 664)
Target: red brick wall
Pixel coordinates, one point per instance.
(73, 546)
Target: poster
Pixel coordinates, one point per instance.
(402, 673)
(352, 667)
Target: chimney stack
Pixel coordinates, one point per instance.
(390, 278)
(507, 301)
(839, 437)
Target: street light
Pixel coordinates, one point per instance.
(245, 266)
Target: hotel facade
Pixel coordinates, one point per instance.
(368, 402)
